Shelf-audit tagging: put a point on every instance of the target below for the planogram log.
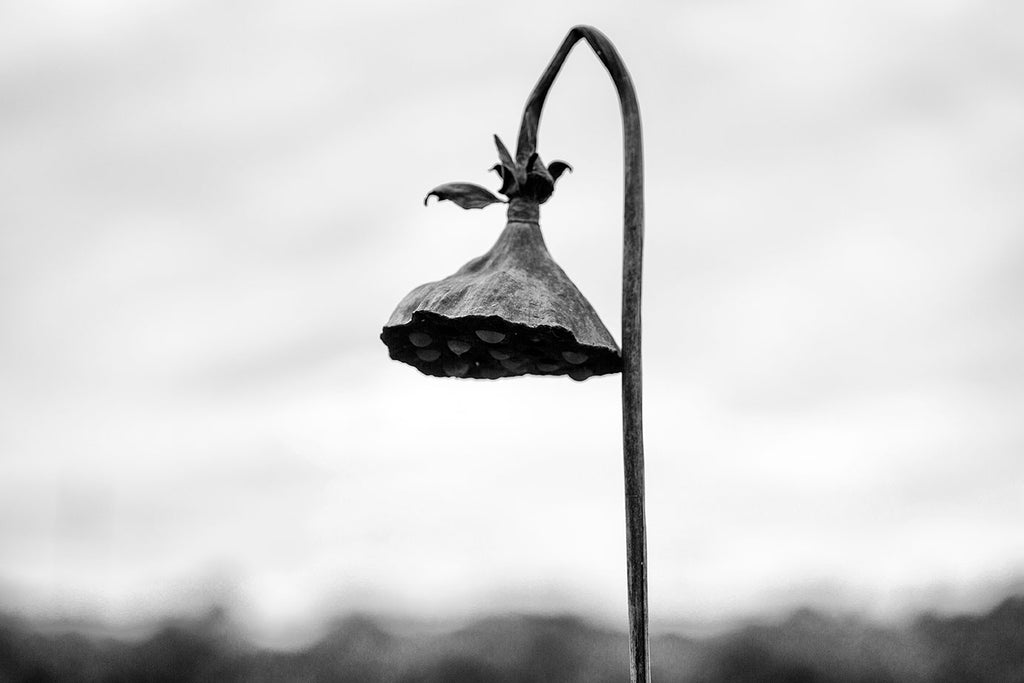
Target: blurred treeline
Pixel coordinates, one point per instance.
(806, 646)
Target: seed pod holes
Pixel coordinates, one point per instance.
(580, 374)
(575, 357)
(490, 336)
(456, 368)
(420, 339)
(428, 355)
(458, 346)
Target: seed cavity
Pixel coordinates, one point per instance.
(499, 354)
(420, 339)
(490, 372)
(574, 357)
(428, 355)
(490, 336)
(458, 346)
(548, 367)
(456, 368)
(580, 374)
(513, 365)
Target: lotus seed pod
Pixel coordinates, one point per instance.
(458, 346)
(514, 296)
(420, 339)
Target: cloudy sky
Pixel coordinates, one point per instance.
(207, 213)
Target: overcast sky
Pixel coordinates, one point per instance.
(208, 212)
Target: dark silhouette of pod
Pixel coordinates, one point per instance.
(512, 311)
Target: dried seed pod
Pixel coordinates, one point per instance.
(515, 295)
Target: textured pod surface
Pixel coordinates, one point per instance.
(512, 311)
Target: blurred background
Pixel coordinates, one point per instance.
(209, 210)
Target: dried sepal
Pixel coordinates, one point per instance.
(532, 180)
(506, 161)
(503, 154)
(509, 184)
(557, 168)
(539, 183)
(466, 195)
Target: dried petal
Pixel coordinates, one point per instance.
(466, 195)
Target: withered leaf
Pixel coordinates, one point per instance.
(466, 195)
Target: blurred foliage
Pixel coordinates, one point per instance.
(806, 646)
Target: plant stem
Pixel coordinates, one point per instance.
(632, 266)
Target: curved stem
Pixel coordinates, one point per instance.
(632, 266)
